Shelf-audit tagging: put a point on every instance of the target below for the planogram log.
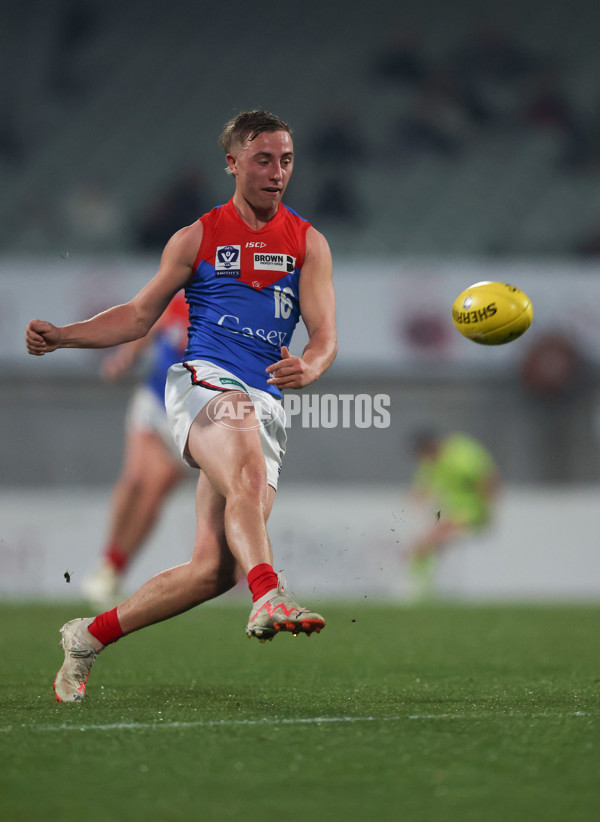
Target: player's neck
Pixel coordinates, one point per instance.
(253, 217)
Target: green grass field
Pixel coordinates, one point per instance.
(430, 713)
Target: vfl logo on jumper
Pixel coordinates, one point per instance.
(227, 261)
(274, 262)
(252, 411)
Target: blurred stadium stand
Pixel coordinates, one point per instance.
(469, 148)
(104, 103)
(117, 98)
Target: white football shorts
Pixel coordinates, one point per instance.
(146, 412)
(191, 385)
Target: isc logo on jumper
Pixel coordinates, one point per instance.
(227, 261)
(274, 262)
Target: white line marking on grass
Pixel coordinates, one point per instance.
(312, 720)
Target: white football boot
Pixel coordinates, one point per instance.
(81, 649)
(276, 611)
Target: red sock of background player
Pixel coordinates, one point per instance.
(261, 579)
(106, 627)
(116, 557)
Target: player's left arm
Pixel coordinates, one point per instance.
(317, 307)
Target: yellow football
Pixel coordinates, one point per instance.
(492, 313)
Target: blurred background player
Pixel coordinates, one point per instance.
(456, 477)
(152, 467)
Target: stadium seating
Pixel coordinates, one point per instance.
(153, 83)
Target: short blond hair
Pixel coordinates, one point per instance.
(247, 125)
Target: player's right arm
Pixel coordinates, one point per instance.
(129, 321)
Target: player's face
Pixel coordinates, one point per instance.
(262, 168)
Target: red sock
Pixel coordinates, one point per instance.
(116, 557)
(261, 578)
(106, 627)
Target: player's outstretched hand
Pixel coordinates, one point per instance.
(289, 372)
(41, 337)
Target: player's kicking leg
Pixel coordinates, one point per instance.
(233, 463)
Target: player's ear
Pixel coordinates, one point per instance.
(231, 164)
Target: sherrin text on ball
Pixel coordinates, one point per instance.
(492, 313)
